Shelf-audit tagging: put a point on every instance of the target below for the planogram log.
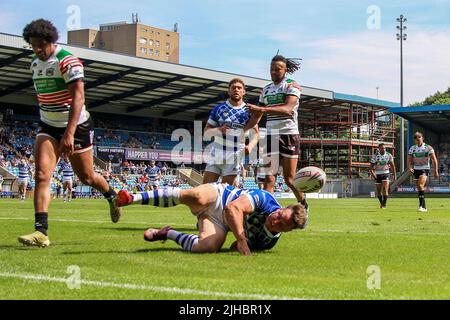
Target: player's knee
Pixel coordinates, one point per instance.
(87, 179)
(41, 176)
(198, 198)
(289, 181)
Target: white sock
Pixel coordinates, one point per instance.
(165, 198)
(186, 241)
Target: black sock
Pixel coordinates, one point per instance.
(380, 198)
(41, 222)
(110, 194)
(385, 199)
(422, 199)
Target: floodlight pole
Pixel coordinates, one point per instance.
(402, 37)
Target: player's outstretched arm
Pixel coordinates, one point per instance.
(286, 109)
(67, 143)
(394, 170)
(234, 214)
(435, 164)
(254, 141)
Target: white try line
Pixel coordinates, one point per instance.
(129, 286)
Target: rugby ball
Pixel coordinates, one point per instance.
(310, 180)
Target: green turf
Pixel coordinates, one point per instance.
(327, 261)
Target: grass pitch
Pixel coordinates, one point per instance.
(327, 261)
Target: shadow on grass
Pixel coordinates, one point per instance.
(139, 251)
(17, 247)
(131, 229)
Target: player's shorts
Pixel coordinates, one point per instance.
(224, 170)
(84, 135)
(215, 210)
(65, 180)
(22, 182)
(155, 183)
(382, 178)
(421, 172)
(288, 146)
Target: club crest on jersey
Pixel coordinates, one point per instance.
(50, 72)
(40, 73)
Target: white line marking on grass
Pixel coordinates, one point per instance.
(170, 290)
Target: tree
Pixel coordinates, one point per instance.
(435, 99)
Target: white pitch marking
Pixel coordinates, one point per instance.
(129, 286)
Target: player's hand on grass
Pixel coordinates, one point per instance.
(67, 145)
(243, 248)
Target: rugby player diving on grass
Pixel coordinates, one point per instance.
(254, 216)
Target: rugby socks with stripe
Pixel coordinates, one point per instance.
(422, 199)
(186, 241)
(169, 197)
(110, 194)
(380, 198)
(41, 222)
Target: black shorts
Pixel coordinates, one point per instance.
(84, 135)
(418, 173)
(288, 146)
(261, 180)
(382, 177)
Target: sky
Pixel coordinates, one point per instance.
(346, 46)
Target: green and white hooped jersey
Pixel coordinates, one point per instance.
(273, 95)
(381, 162)
(421, 156)
(51, 79)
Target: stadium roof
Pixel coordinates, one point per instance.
(435, 118)
(123, 84)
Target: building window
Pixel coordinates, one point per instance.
(168, 35)
(144, 50)
(167, 46)
(143, 30)
(150, 42)
(150, 52)
(158, 33)
(143, 41)
(167, 56)
(157, 53)
(157, 43)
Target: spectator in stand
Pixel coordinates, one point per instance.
(164, 169)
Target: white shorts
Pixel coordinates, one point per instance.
(215, 210)
(154, 183)
(23, 182)
(65, 180)
(224, 170)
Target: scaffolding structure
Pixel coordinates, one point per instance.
(341, 136)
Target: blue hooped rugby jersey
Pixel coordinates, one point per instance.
(264, 204)
(235, 119)
(24, 171)
(67, 170)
